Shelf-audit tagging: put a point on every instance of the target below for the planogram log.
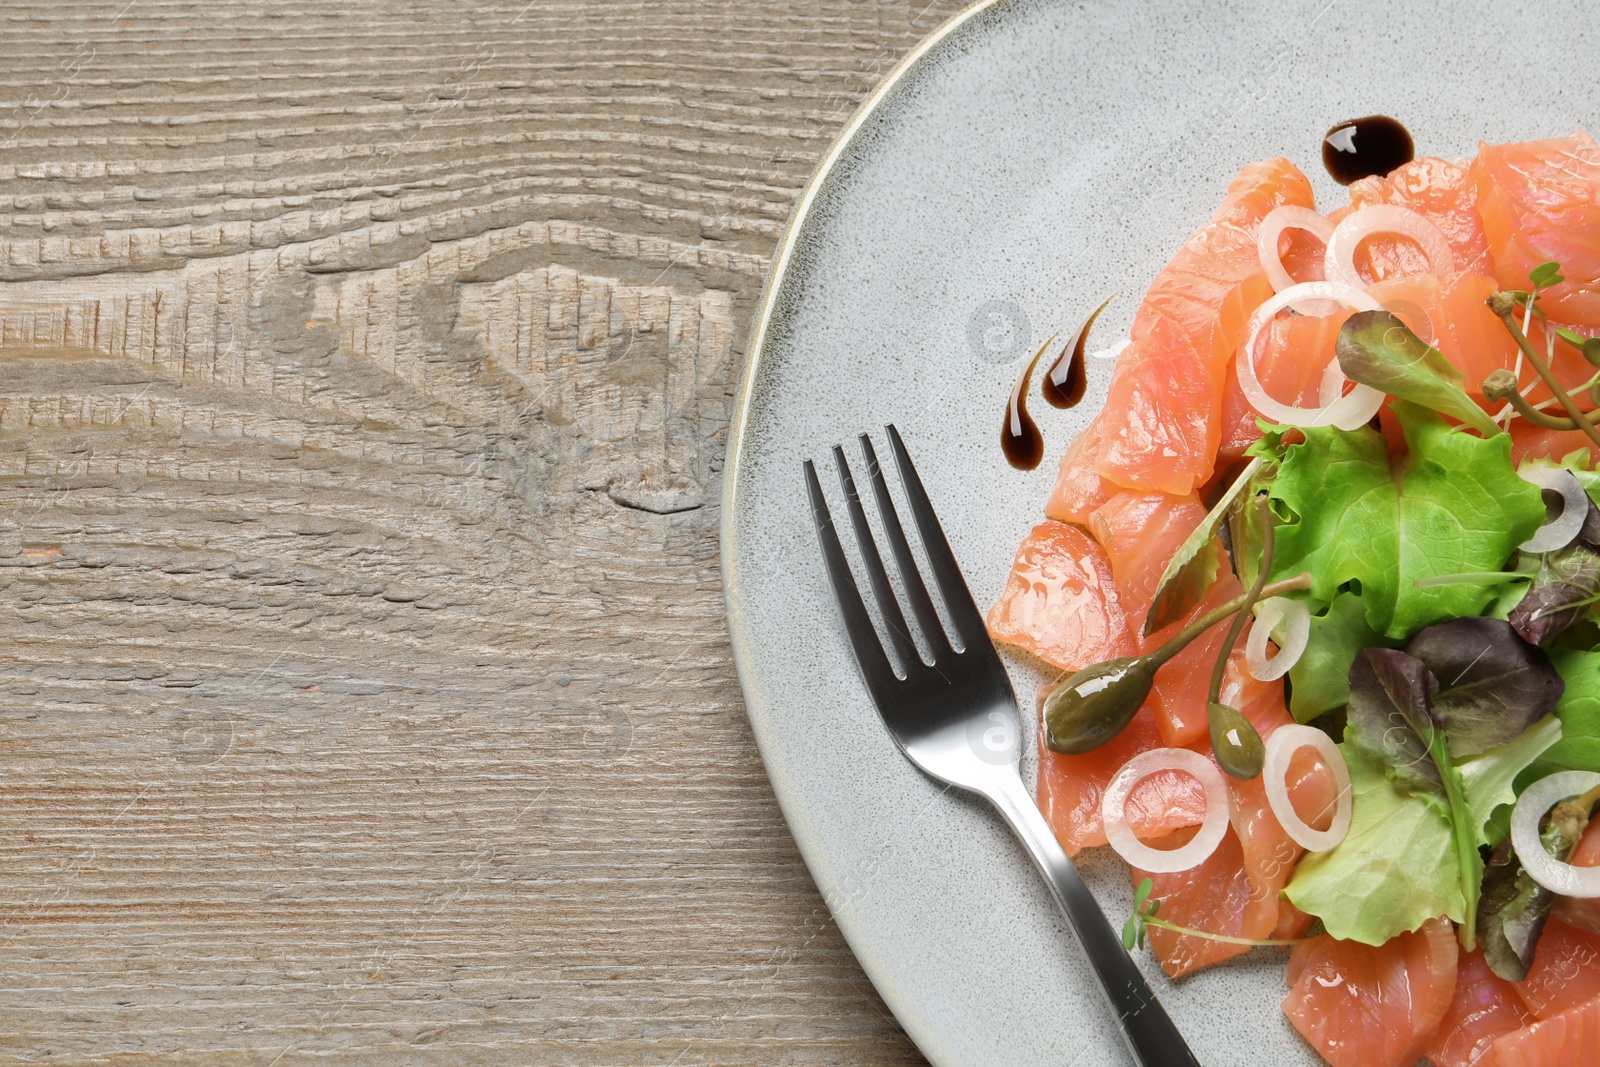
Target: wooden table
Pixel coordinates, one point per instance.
(365, 372)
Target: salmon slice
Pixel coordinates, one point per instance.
(1584, 914)
(1540, 201)
(1531, 442)
(1079, 489)
(1162, 420)
(1270, 854)
(1071, 788)
(1237, 890)
(1179, 694)
(1365, 1006)
(1290, 360)
(1140, 533)
(1060, 602)
(1441, 192)
(1566, 1040)
(1292, 922)
(1451, 314)
(1484, 1007)
(1565, 971)
(1302, 255)
(1217, 897)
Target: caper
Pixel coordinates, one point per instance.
(1092, 706)
(1237, 745)
(1500, 384)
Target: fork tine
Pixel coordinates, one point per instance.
(875, 667)
(899, 635)
(904, 562)
(964, 615)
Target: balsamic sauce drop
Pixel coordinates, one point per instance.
(1364, 147)
(1064, 386)
(1020, 438)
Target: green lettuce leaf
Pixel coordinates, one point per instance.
(1194, 566)
(1489, 779)
(1576, 462)
(1395, 870)
(1320, 679)
(1376, 348)
(1399, 865)
(1579, 712)
(1339, 504)
(1452, 504)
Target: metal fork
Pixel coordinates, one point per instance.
(956, 717)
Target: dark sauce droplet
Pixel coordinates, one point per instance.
(1064, 386)
(1364, 147)
(1020, 438)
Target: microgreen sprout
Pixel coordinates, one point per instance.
(1504, 305)
(1144, 915)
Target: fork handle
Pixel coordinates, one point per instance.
(1146, 1028)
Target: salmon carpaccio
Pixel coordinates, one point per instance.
(1237, 891)
(1564, 1040)
(1583, 914)
(1161, 424)
(1137, 481)
(1059, 602)
(1373, 1006)
(1485, 1007)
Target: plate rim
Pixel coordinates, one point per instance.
(761, 323)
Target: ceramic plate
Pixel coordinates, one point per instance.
(1024, 162)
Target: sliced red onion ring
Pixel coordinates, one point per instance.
(1339, 261)
(1283, 743)
(1532, 806)
(1287, 217)
(1295, 620)
(1347, 412)
(1559, 531)
(1165, 861)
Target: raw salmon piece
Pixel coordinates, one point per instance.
(1451, 314)
(1060, 603)
(1079, 489)
(1361, 1006)
(1570, 1039)
(1531, 442)
(1302, 255)
(1584, 914)
(1270, 854)
(1540, 201)
(1216, 897)
(1140, 533)
(1290, 361)
(1485, 1007)
(1179, 694)
(1565, 971)
(1071, 787)
(1162, 419)
(1441, 192)
(1292, 922)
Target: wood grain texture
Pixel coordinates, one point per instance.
(365, 372)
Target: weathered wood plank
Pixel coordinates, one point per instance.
(364, 378)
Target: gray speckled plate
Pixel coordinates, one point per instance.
(1026, 160)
